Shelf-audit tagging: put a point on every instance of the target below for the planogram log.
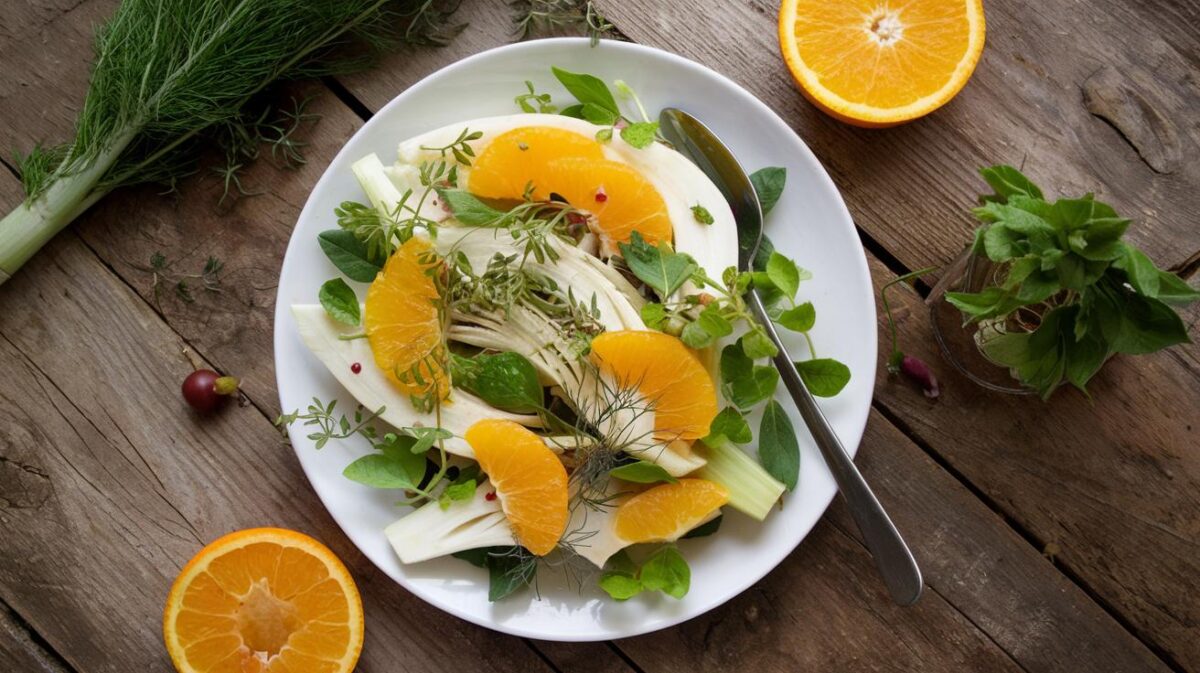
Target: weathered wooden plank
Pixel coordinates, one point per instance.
(18, 651)
(123, 488)
(1108, 481)
(1113, 482)
(488, 24)
(910, 186)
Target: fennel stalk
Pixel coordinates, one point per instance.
(168, 71)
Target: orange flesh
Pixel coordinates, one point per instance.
(573, 166)
(529, 479)
(667, 373)
(264, 599)
(667, 511)
(401, 320)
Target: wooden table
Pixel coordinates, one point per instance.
(1062, 536)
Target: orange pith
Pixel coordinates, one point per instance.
(668, 374)
(264, 600)
(881, 62)
(401, 320)
(557, 161)
(529, 479)
(667, 511)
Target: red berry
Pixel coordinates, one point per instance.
(205, 389)
(601, 197)
(491, 495)
(356, 367)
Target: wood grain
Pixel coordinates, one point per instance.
(910, 186)
(19, 651)
(1109, 480)
(132, 484)
(1113, 482)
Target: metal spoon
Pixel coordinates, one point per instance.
(895, 561)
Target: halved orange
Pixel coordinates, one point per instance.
(667, 373)
(264, 599)
(573, 166)
(881, 62)
(667, 511)
(529, 479)
(402, 323)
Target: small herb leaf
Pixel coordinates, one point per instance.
(348, 254)
(340, 302)
(778, 449)
(642, 472)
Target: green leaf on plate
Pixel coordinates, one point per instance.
(348, 254)
(340, 302)
(778, 449)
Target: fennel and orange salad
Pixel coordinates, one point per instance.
(549, 348)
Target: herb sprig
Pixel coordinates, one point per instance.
(1068, 292)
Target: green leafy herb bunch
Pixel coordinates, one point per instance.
(1067, 292)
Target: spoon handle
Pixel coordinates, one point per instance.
(895, 561)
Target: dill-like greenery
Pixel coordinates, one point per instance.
(167, 71)
(535, 16)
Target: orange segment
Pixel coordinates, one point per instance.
(263, 600)
(881, 62)
(529, 479)
(667, 373)
(667, 511)
(401, 320)
(622, 200)
(521, 156)
(556, 161)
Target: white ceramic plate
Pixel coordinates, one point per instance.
(810, 224)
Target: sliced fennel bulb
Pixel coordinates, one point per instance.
(373, 389)
(751, 489)
(430, 531)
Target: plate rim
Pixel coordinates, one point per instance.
(806, 156)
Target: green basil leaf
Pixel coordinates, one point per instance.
(348, 254)
(653, 314)
(824, 377)
(468, 209)
(1007, 181)
(784, 274)
(701, 214)
(757, 344)
(598, 115)
(778, 449)
(658, 267)
(743, 383)
(704, 529)
(1084, 357)
(425, 438)
(1147, 325)
(457, 493)
(340, 302)
(398, 449)
(713, 322)
(586, 89)
(379, 471)
(799, 319)
(731, 425)
(765, 249)
(1173, 289)
(1141, 272)
(640, 134)
(642, 472)
(768, 184)
(665, 570)
(506, 381)
(479, 557)
(575, 111)
(619, 579)
(695, 336)
(508, 572)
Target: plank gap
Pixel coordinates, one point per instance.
(633, 665)
(54, 660)
(1027, 535)
(11, 169)
(347, 98)
(539, 654)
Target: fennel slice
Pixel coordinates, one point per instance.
(430, 531)
(372, 389)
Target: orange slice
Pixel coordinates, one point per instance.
(622, 200)
(667, 511)
(667, 373)
(880, 63)
(402, 323)
(556, 161)
(264, 599)
(516, 158)
(529, 479)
